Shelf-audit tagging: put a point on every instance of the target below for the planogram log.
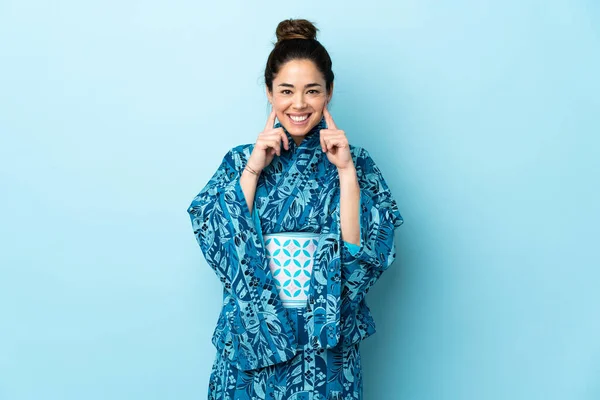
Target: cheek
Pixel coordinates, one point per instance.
(318, 103)
(280, 114)
(280, 105)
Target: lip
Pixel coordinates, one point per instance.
(298, 115)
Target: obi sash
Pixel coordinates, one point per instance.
(291, 256)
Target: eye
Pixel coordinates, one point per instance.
(313, 91)
(286, 91)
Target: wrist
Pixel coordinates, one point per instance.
(347, 171)
(248, 174)
(253, 170)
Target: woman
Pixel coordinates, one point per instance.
(299, 190)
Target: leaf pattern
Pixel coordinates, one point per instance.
(263, 349)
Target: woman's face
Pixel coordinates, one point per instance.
(299, 96)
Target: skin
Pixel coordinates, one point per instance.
(299, 88)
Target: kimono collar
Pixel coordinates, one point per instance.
(311, 139)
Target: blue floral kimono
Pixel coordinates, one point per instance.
(266, 351)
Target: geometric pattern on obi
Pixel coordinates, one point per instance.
(291, 256)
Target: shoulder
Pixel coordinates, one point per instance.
(243, 150)
(368, 172)
(362, 159)
(239, 154)
(356, 151)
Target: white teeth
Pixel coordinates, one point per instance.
(298, 119)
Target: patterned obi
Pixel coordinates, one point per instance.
(291, 257)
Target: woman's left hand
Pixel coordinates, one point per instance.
(335, 143)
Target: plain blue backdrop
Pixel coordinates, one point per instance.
(482, 115)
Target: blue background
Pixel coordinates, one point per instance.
(482, 115)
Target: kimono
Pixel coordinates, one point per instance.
(267, 351)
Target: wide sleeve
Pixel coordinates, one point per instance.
(352, 248)
(378, 216)
(230, 238)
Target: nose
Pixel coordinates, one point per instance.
(299, 101)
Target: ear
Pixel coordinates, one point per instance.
(269, 94)
(330, 94)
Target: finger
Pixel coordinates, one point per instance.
(284, 137)
(322, 139)
(271, 120)
(276, 144)
(329, 119)
(330, 145)
(277, 135)
(269, 145)
(339, 143)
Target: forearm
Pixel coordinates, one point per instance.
(248, 183)
(349, 205)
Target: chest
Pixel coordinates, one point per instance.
(295, 194)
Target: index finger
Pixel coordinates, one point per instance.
(328, 119)
(270, 120)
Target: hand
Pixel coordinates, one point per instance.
(335, 143)
(267, 145)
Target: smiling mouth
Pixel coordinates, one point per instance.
(299, 119)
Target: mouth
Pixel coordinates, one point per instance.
(299, 119)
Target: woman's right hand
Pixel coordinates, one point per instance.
(267, 145)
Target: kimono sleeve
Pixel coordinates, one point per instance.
(230, 238)
(352, 248)
(378, 216)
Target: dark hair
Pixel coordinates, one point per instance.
(296, 40)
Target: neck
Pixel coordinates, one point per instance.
(298, 140)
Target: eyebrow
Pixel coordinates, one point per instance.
(305, 86)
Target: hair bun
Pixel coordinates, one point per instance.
(295, 29)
